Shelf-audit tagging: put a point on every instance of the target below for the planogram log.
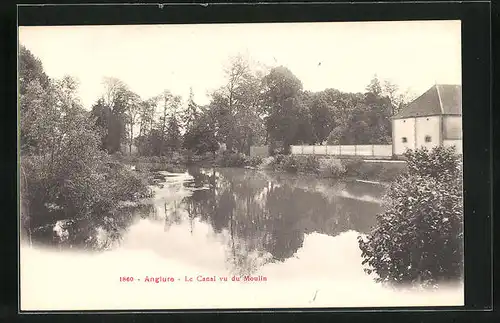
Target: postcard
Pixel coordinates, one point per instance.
(240, 166)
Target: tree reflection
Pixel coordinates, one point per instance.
(268, 216)
(96, 232)
(263, 217)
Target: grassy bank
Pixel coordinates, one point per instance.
(337, 168)
(177, 163)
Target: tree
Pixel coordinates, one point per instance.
(324, 113)
(374, 87)
(399, 99)
(191, 114)
(236, 106)
(377, 116)
(132, 113)
(200, 138)
(173, 134)
(113, 106)
(30, 70)
(101, 116)
(65, 173)
(170, 106)
(281, 105)
(418, 239)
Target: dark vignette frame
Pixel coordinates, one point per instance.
(476, 82)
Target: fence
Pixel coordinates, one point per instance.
(344, 150)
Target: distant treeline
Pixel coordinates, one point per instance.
(254, 107)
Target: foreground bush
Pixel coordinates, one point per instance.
(418, 239)
(84, 189)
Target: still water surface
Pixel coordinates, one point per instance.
(262, 217)
(297, 231)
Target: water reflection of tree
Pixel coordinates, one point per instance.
(95, 232)
(271, 216)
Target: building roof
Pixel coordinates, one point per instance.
(438, 100)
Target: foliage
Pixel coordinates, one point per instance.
(191, 115)
(112, 112)
(295, 164)
(352, 166)
(254, 161)
(418, 239)
(291, 164)
(200, 138)
(30, 70)
(309, 164)
(229, 159)
(332, 168)
(282, 106)
(440, 162)
(173, 139)
(235, 108)
(65, 173)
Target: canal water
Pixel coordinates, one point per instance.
(221, 238)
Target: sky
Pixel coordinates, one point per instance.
(341, 55)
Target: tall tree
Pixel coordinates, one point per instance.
(192, 112)
(374, 87)
(132, 113)
(281, 105)
(30, 70)
(201, 137)
(398, 98)
(173, 134)
(101, 115)
(147, 115)
(113, 105)
(170, 106)
(232, 99)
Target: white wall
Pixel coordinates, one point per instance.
(452, 127)
(344, 150)
(428, 126)
(403, 128)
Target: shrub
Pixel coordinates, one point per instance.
(352, 166)
(155, 160)
(229, 159)
(279, 159)
(127, 185)
(79, 189)
(440, 162)
(290, 164)
(308, 164)
(254, 161)
(332, 168)
(268, 162)
(418, 239)
(294, 164)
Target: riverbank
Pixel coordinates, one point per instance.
(331, 168)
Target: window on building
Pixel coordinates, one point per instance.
(404, 139)
(428, 139)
